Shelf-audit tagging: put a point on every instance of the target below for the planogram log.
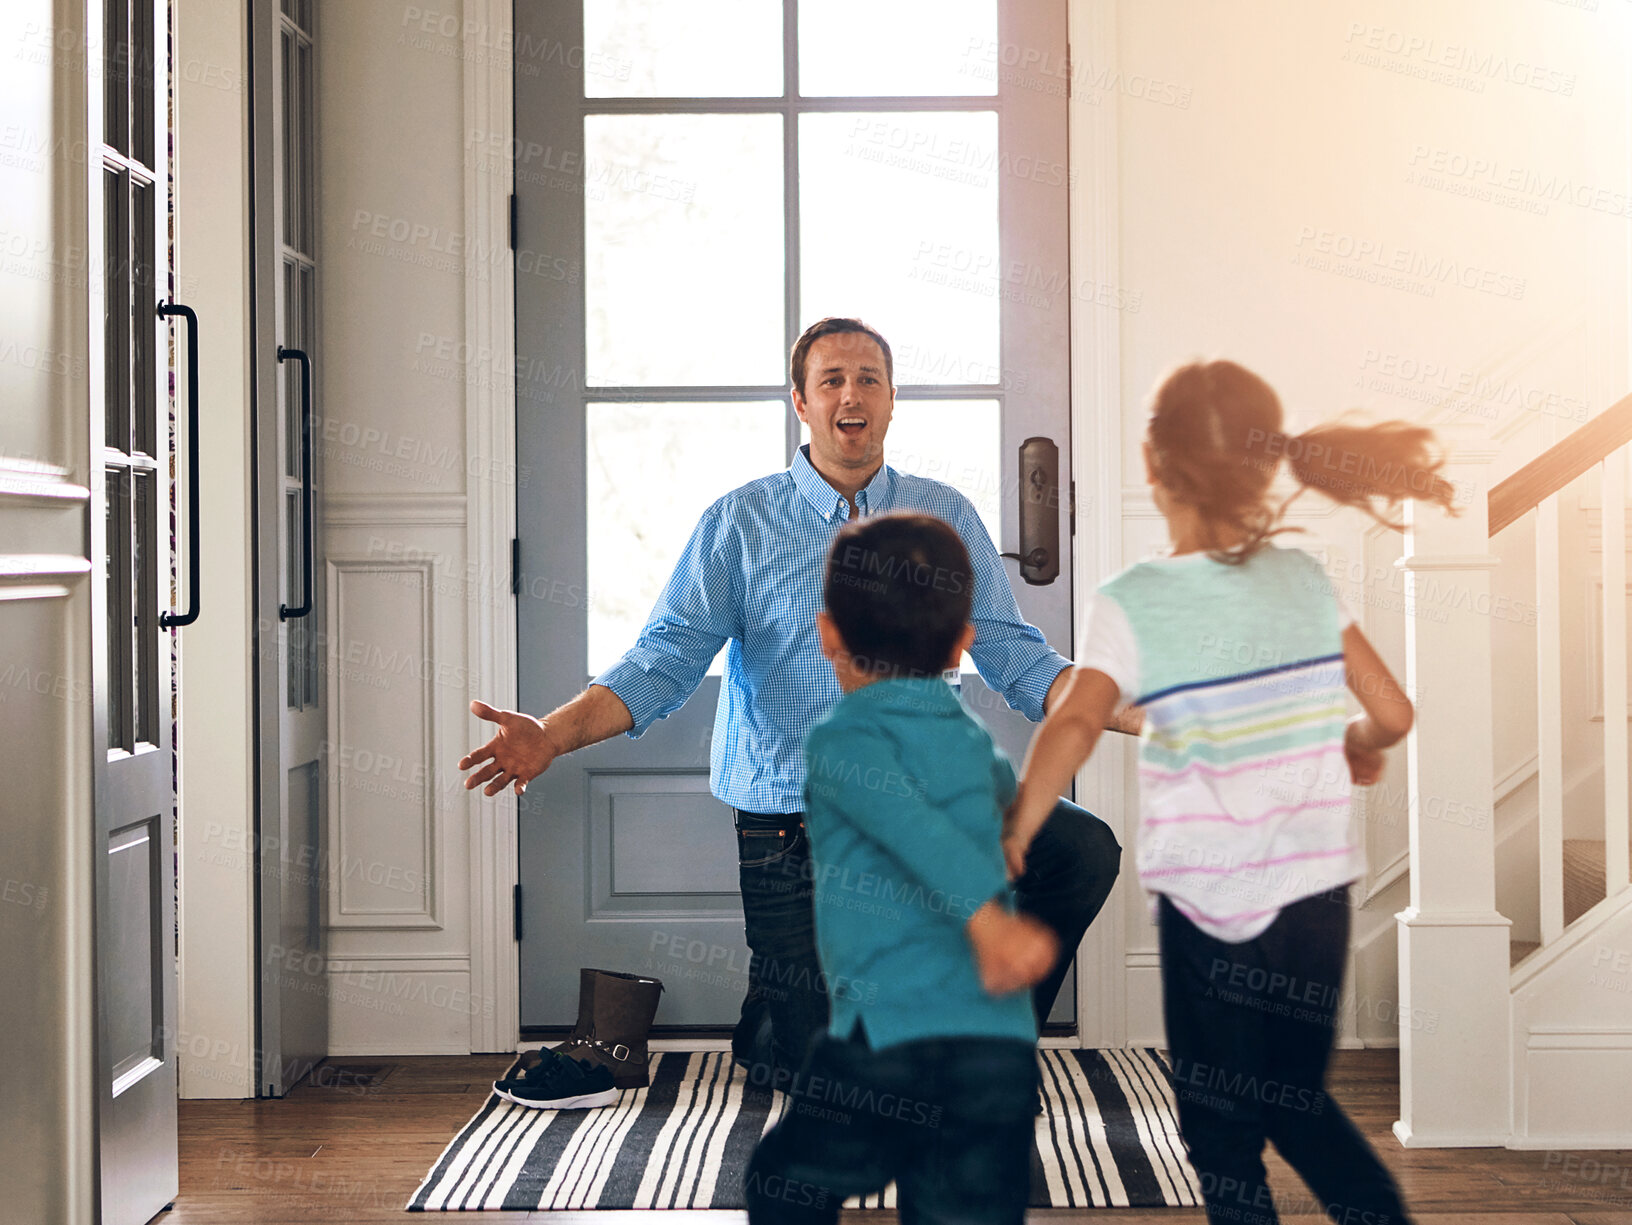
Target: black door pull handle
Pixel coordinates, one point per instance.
(285, 612)
(169, 620)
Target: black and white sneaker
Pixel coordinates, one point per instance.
(558, 1082)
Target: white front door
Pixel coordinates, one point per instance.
(682, 215)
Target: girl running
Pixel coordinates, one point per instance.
(1239, 651)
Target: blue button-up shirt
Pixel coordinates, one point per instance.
(751, 575)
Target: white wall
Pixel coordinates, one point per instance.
(409, 266)
(215, 836)
(1415, 209)
(47, 1014)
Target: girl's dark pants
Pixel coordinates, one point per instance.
(1250, 1028)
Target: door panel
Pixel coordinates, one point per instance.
(132, 653)
(651, 380)
(292, 702)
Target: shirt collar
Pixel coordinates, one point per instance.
(907, 695)
(877, 496)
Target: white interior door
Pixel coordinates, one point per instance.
(292, 704)
(131, 508)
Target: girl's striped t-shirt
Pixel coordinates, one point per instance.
(1244, 788)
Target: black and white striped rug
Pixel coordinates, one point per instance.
(1109, 1139)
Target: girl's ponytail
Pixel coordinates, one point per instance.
(1366, 465)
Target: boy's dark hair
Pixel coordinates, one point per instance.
(899, 587)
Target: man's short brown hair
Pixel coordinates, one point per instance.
(835, 326)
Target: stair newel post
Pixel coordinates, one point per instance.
(1455, 1058)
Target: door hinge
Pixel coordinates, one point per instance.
(1073, 530)
(516, 902)
(512, 221)
(515, 565)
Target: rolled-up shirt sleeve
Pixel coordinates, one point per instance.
(699, 610)
(1011, 655)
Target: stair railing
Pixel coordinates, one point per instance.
(1601, 443)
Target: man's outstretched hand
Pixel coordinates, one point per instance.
(519, 753)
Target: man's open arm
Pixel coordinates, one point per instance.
(524, 746)
(1013, 656)
(699, 609)
(1129, 720)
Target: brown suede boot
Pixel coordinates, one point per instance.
(615, 1014)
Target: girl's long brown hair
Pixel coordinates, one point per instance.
(1216, 442)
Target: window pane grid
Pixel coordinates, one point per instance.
(121, 631)
(144, 61)
(144, 567)
(116, 303)
(116, 74)
(145, 320)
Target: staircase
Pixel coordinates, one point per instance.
(1526, 1044)
(1585, 862)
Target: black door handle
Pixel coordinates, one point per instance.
(1039, 554)
(169, 619)
(286, 613)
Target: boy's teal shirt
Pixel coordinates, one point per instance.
(904, 795)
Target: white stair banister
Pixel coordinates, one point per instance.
(1550, 719)
(1455, 1067)
(1613, 471)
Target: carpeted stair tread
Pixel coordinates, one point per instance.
(1583, 876)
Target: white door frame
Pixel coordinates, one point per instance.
(490, 518)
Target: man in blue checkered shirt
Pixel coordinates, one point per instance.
(751, 576)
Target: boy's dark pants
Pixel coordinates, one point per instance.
(1250, 1029)
(1070, 868)
(947, 1119)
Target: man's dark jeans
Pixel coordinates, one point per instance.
(1250, 1029)
(947, 1119)
(1070, 869)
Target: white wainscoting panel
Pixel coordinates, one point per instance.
(383, 827)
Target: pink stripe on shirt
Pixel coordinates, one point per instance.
(1248, 866)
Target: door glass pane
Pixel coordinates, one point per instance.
(959, 442)
(907, 241)
(116, 74)
(142, 64)
(295, 630)
(683, 249)
(116, 310)
(893, 48)
(674, 49)
(116, 579)
(289, 142)
(144, 321)
(305, 180)
(651, 471)
(145, 565)
(293, 333)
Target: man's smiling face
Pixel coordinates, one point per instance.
(847, 402)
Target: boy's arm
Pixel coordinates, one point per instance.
(861, 781)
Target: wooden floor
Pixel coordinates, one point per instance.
(354, 1149)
